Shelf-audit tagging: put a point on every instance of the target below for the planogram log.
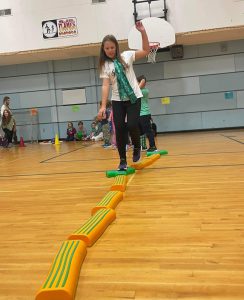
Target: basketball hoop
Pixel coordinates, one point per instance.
(151, 58)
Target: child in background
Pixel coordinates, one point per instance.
(93, 130)
(7, 125)
(145, 116)
(71, 132)
(96, 133)
(113, 134)
(106, 126)
(154, 127)
(81, 132)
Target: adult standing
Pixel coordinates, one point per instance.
(6, 105)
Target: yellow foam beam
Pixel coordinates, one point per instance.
(94, 227)
(146, 161)
(63, 276)
(119, 183)
(110, 200)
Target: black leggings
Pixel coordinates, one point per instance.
(121, 109)
(146, 128)
(8, 134)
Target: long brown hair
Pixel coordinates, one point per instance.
(103, 57)
(5, 120)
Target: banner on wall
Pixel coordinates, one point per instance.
(64, 27)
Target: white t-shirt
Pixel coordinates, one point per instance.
(3, 109)
(108, 71)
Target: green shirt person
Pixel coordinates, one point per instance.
(145, 116)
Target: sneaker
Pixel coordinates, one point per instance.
(107, 146)
(143, 148)
(136, 155)
(152, 149)
(123, 165)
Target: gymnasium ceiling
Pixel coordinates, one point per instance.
(188, 38)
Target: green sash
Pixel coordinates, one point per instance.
(125, 90)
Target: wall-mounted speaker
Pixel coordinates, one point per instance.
(177, 51)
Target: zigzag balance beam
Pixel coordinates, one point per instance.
(146, 161)
(94, 227)
(114, 173)
(119, 183)
(64, 273)
(110, 200)
(161, 152)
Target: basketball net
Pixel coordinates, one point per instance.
(151, 58)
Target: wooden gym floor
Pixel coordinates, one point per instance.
(179, 232)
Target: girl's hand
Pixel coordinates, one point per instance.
(139, 26)
(101, 113)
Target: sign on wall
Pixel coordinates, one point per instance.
(74, 96)
(165, 100)
(229, 95)
(65, 27)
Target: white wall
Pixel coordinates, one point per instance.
(23, 31)
(192, 15)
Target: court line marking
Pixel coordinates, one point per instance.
(62, 154)
(75, 160)
(231, 138)
(195, 166)
(50, 174)
(170, 155)
(103, 171)
(131, 178)
(129, 183)
(55, 189)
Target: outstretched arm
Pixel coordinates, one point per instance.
(145, 43)
(105, 93)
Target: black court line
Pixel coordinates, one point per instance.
(198, 166)
(85, 146)
(171, 155)
(104, 171)
(203, 153)
(75, 160)
(232, 138)
(49, 174)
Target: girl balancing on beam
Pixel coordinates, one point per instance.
(117, 69)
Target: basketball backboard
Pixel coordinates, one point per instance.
(158, 31)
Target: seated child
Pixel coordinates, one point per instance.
(106, 126)
(71, 132)
(81, 134)
(96, 133)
